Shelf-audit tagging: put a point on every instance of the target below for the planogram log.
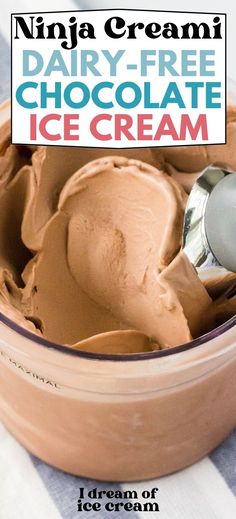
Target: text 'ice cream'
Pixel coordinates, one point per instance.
(90, 245)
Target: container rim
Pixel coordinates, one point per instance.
(41, 341)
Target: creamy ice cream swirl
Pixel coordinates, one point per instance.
(91, 250)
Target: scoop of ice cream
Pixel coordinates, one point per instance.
(119, 341)
(13, 253)
(117, 229)
(51, 168)
(11, 303)
(90, 254)
(5, 130)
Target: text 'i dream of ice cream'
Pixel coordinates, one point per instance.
(80, 76)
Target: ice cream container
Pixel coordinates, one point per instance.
(120, 417)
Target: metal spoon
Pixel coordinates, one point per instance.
(209, 233)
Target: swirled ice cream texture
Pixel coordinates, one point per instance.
(116, 231)
(91, 254)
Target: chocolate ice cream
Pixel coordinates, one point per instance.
(91, 245)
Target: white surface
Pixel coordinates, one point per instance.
(22, 492)
(198, 492)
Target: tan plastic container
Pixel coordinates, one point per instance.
(118, 418)
(129, 418)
